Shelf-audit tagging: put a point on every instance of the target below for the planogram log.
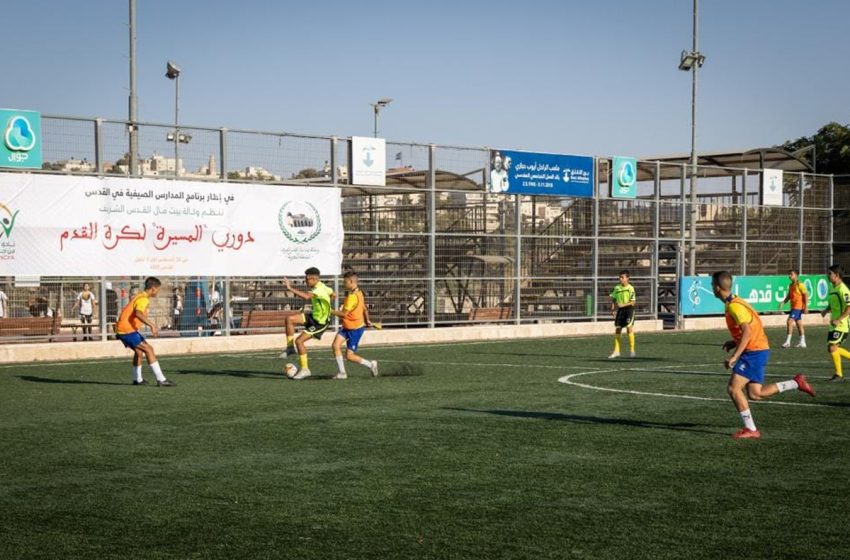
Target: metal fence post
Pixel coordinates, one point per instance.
(831, 250)
(595, 239)
(800, 228)
(101, 312)
(222, 152)
(656, 242)
(745, 210)
(432, 234)
(98, 145)
(226, 312)
(518, 263)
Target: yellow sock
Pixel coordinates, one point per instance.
(836, 361)
(632, 341)
(843, 353)
(616, 343)
(290, 340)
(302, 359)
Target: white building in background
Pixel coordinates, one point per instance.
(257, 173)
(78, 165)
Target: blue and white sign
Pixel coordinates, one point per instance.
(540, 174)
(368, 157)
(624, 177)
(20, 145)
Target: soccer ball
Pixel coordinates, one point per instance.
(290, 370)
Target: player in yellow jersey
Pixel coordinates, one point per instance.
(839, 324)
(133, 316)
(355, 319)
(750, 356)
(315, 323)
(799, 298)
(623, 309)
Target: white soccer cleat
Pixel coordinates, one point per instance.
(632, 355)
(341, 375)
(374, 368)
(801, 345)
(302, 374)
(786, 345)
(614, 355)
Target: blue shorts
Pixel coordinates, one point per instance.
(131, 340)
(752, 364)
(352, 337)
(795, 314)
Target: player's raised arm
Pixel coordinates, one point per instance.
(303, 295)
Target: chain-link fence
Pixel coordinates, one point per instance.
(434, 247)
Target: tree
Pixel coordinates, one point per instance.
(308, 173)
(832, 146)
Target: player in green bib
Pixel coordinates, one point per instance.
(316, 323)
(839, 324)
(623, 309)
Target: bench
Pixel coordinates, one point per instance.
(265, 319)
(490, 314)
(30, 326)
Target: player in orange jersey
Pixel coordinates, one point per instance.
(132, 317)
(750, 356)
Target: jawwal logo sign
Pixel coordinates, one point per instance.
(21, 145)
(300, 222)
(624, 177)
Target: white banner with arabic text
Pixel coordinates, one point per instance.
(89, 226)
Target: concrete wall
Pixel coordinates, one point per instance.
(68, 351)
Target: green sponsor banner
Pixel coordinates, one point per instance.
(764, 293)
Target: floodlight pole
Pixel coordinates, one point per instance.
(177, 125)
(134, 100)
(692, 248)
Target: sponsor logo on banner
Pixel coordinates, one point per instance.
(21, 145)
(528, 173)
(368, 161)
(624, 177)
(771, 187)
(7, 225)
(300, 222)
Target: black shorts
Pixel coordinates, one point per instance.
(836, 337)
(313, 327)
(625, 317)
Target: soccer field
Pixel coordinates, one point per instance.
(473, 450)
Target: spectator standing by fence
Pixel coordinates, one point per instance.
(87, 304)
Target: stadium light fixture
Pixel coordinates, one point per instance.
(377, 106)
(172, 72)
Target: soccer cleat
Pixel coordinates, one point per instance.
(803, 384)
(166, 383)
(614, 355)
(341, 375)
(302, 374)
(374, 368)
(786, 345)
(632, 354)
(746, 433)
(837, 378)
(800, 345)
(142, 382)
(290, 351)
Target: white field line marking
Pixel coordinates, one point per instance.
(568, 380)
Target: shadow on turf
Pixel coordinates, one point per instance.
(34, 379)
(594, 358)
(578, 419)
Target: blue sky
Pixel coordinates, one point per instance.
(590, 77)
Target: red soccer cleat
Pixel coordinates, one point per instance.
(803, 384)
(745, 433)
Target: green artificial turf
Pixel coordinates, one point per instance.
(456, 451)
